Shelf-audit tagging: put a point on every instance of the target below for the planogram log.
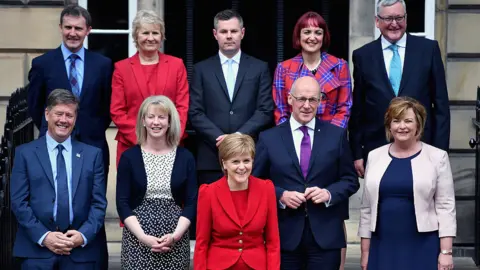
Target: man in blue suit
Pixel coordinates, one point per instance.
(58, 194)
(87, 75)
(310, 164)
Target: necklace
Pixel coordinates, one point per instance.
(314, 70)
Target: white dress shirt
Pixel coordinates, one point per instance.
(298, 134)
(388, 54)
(235, 64)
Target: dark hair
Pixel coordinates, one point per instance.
(61, 96)
(76, 11)
(226, 15)
(311, 19)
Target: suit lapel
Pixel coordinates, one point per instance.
(77, 163)
(242, 69)
(254, 196)
(319, 140)
(139, 77)
(217, 70)
(162, 75)
(409, 62)
(87, 73)
(225, 199)
(44, 159)
(59, 63)
(379, 61)
(287, 137)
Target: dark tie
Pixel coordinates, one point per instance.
(305, 151)
(73, 77)
(63, 213)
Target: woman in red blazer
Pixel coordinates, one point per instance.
(237, 226)
(147, 73)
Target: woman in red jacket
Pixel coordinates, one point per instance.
(148, 73)
(237, 226)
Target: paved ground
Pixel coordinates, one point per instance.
(353, 259)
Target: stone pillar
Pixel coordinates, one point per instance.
(441, 8)
(362, 23)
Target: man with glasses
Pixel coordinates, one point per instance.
(396, 64)
(310, 163)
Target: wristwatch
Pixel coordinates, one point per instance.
(446, 252)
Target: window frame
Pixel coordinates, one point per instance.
(429, 21)
(132, 11)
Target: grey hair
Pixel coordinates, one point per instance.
(387, 3)
(61, 96)
(166, 105)
(226, 15)
(292, 89)
(146, 17)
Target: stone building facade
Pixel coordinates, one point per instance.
(30, 27)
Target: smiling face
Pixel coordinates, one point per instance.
(405, 128)
(156, 122)
(238, 168)
(61, 120)
(392, 22)
(74, 29)
(149, 37)
(304, 99)
(311, 39)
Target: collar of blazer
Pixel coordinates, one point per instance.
(423, 169)
(224, 197)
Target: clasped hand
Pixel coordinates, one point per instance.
(294, 199)
(160, 245)
(62, 243)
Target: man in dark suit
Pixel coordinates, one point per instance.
(396, 64)
(310, 164)
(87, 74)
(230, 92)
(58, 194)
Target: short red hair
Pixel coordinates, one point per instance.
(311, 19)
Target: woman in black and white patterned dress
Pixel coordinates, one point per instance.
(156, 191)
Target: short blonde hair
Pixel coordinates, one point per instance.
(397, 110)
(235, 145)
(166, 105)
(146, 17)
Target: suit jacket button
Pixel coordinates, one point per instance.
(240, 250)
(241, 233)
(231, 112)
(240, 241)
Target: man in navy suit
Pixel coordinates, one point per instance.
(87, 74)
(310, 164)
(58, 194)
(396, 64)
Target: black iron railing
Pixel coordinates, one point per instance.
(18, 129)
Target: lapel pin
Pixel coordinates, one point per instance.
(78, 155)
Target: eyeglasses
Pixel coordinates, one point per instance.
(398, 19)
(302, 100)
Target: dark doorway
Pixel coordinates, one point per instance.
(269, 25)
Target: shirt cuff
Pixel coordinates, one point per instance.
(282, 206)
(327, 204)
(84, 240)
(40, 241)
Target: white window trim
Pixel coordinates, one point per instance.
(429, 21)
(132, 11)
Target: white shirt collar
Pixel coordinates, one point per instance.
(236, 57)
(294, 124)
(400, 43)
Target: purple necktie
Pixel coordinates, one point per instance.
(305, 151)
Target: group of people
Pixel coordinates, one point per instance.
(276, 160)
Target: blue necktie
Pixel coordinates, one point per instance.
(395, 69)
(63, 205)
(230, 79)
(73, 77)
